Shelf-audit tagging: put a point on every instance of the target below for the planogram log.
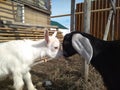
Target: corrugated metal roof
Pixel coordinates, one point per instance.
(58, 24)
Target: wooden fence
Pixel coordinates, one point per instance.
(99, 16)
(22, 32)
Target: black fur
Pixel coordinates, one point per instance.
(106, 58)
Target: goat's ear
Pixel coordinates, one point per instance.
(54, 34)
(46, 36)
(83, 46)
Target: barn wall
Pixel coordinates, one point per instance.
(33, 16)
(9, 11)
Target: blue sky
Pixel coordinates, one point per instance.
(62, 7)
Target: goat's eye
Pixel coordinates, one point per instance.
(56, 47)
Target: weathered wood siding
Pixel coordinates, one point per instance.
(99, 16)
(33, 16)
(7, 10)
(30, 14)
(7, 34)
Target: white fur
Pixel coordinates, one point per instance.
(17, 56)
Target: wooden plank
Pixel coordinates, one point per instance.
(117, 22)
(20, 34)
(106, 15)
(13, 10)
(91, 21)
(82, 18)
(97, 10)
(72, 17)
(7, 3)
(5, 6)
(6, 17)
(107, 29)
(79, 18)
(95, 16)
(24, 33)
(102, 20)
(76, 17)
(3, 11)
(7, 34)
(19, 38)
(7, 9)
(94, 19)
(87, 15)
(98, 19)
(9, 30)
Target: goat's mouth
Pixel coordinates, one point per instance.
(65, 54)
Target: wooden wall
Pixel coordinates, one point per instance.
(33, 16)
(7, 10)
(99, 17)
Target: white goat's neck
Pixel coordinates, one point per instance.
(39, 48)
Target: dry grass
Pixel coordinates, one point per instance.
(64, 75)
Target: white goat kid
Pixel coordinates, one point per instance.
(17, 56)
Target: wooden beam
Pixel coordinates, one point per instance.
(13, 10)
(6, 17)
(72, 22)
(63, 15)
(113, 2)
(113, 23)
(87, 14)
(99, 10)
(107, 29)
(7, 3)
(3, 8)
(7, 12)
(7, 34)
(25, 25)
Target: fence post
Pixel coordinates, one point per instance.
(87, 14)
(108, 25)
(112, 11)
(72, 22)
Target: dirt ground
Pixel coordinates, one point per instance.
(64, 75)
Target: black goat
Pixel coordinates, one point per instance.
(103, 55)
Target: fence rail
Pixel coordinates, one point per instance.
(99, 16)
(7, 34)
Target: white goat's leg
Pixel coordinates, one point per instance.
(28, 81)
(18, 81)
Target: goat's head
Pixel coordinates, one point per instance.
(68, 49)
(53, 45)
